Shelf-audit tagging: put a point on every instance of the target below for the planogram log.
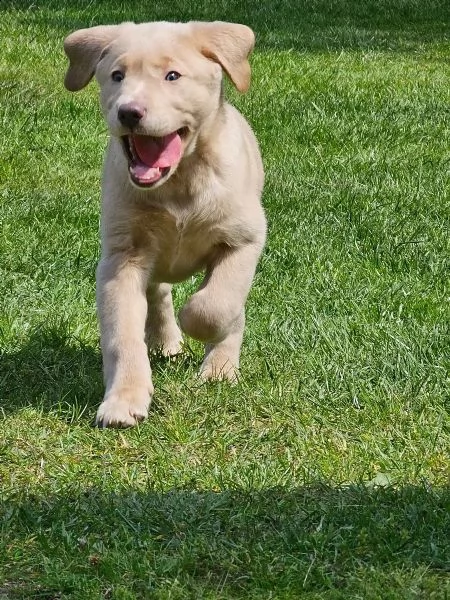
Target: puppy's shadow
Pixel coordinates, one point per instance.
(56, 372)
(53, 369)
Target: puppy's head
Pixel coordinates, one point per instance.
(159, 83)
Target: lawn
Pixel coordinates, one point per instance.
(324, 474)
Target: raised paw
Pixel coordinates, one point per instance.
(123, 407)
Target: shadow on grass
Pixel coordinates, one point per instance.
(357, 541)
(52, 370)
(304, 25)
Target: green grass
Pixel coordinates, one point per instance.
(325, 473)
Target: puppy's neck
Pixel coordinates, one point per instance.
(210, 134)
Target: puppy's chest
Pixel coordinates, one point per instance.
(179, 246)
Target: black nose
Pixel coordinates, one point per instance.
(130, 114)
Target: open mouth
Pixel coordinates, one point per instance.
(150, 158)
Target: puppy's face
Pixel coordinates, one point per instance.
(156, 91)
(159, 83)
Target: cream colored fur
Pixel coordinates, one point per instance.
(204, 216)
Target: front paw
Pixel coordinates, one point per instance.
(123, 407)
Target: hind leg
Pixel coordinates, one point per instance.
(162, 331)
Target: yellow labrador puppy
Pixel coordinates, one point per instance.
(181, 190)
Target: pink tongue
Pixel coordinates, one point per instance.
(146, 174)
(158, 152)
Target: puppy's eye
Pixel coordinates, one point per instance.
(117, 76)
(172, 76)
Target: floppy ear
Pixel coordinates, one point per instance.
(228, 44)
(84, 48)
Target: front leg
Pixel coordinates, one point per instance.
(122, 310)
(221, 360)
(215, 314)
